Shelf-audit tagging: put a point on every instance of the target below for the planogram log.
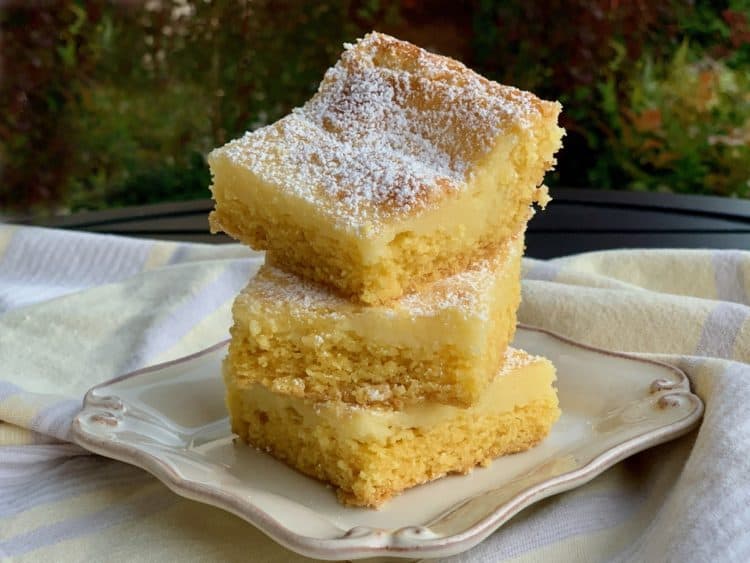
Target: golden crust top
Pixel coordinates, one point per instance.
(391, 129)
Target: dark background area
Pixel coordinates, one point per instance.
(107, 104)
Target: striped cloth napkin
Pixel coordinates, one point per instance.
(77, 309)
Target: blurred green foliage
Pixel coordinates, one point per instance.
(617, 65)
(684, 127)
(106, 104)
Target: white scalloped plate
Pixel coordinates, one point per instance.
(171, 420)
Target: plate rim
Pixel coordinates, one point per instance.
(360, 542)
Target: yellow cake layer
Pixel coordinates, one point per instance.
(404, 167)
(371, 454)
(441, 344)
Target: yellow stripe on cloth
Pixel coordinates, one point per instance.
(200, 336)
(140, 522)
(160, 254)
(21, 409)
(742, 343)
(78, 488)
(12, 435)
(6, 234)
(666, 271)
(616, 319)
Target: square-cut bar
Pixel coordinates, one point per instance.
(403, 168)
(443, 343)
(371, 454)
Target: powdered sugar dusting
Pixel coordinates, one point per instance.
(466, 292)
(303, 297)
(391, 129)
(515, 359)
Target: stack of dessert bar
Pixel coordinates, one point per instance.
(372, 349)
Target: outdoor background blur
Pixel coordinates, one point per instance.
(106, 104)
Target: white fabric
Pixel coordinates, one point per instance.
(77, 309)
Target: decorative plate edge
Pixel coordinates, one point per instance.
(362, 541)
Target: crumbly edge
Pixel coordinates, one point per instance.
(284, 338)
(336, 264)
(368, 474)
(354, 370)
